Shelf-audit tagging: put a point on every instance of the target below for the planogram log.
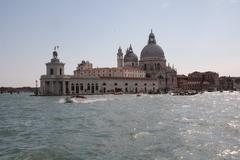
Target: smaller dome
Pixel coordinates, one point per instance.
(130, 56)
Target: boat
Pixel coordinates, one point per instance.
(79, 96)
(117, 93)
(68, 100)
(139, 95)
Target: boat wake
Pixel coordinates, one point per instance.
(81, 100)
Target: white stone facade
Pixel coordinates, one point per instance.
(147, 75)
(70, 85)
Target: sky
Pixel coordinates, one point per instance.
(196, 35)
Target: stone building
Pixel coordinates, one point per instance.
(199, 81)
(229, 83)
(150, 74)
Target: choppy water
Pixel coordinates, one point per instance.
(150, 127)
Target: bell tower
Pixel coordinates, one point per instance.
(119, 58)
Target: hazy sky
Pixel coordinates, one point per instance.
(194, 34)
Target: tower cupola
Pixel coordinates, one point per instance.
(55, 67)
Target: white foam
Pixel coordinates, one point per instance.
(61, 100)
(93, 100)
(88, 100)
(228, 152)
(234, 124)
(140, 135)
(185, 106)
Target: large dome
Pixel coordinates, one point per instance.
(152, 50)
(130, 56)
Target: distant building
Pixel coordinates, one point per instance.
(150, 74)
(199, 81)
(229, 83)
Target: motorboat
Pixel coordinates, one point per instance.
(79, 96)
(68, 100)
(139, 95)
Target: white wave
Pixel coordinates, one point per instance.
(228, 152)
(140, 135)
(185, 106)
(185, 119)
(93, 100)
(88, 100)
(61, 100)
(196, 132)
(234, 124)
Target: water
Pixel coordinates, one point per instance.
(150, 127)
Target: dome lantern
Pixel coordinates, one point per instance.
(151, 38)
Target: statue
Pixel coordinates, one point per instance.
(55, 54)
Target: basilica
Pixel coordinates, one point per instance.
(147, 74)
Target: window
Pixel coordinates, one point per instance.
(126, 84)
(60, 71)
(88, 86)
(96, 87)
(51, 71)
(72, 88)
(77, 88)
(81, 86)
(115, 84)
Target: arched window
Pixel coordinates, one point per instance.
(51, 71)
(77, 88)
(81, 86)
(136, 90)
(72, 88)
(96, 87)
